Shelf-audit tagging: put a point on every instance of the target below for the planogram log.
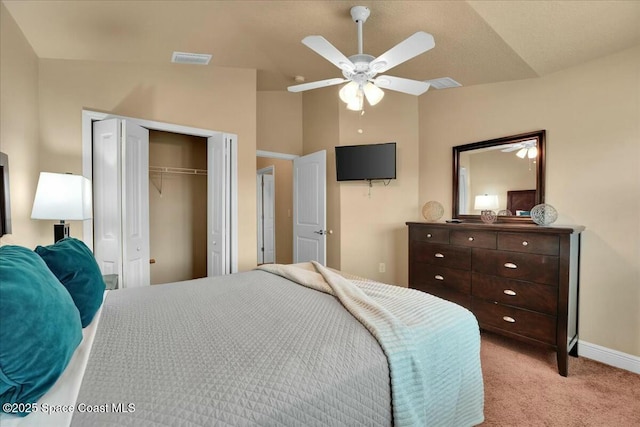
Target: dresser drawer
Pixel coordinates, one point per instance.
(443, 255)
(530, 243)
(452, 278)
(429, 234)
(514, 265)
(474, 238)
(532, 296)
(526, 323)
(446, 293)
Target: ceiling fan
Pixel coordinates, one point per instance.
(361, 70)
(526, 148)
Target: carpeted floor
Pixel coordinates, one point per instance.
(523, 388)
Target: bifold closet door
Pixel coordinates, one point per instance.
(121, 200)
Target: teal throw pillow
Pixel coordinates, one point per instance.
(39, 327)
(74, 265)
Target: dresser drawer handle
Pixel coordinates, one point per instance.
(509, 319)
(510, 265)
(471, 239)
(428, 235)
(525, 243)
(439, 255)
(509, 292)
(439, 277)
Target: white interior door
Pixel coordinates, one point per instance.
(107, 207)
(269, 223)
(103, 160)
(135, 205)
(218, 210)
(121, 200)
(259, 221)
(309, 207)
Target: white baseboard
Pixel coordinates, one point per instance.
(609, 357)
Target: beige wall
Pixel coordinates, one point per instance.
(283, 206)
(222, 99)
(372, 220)
(367, 230)
(177, 208)
(321, 131)
(592, 117)
(19, 132)
(279, 122)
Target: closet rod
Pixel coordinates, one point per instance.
(184, 171)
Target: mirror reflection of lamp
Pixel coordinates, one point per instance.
(486, 202)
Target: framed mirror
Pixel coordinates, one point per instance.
(505, 175)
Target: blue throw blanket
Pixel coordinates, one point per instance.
(433, 346)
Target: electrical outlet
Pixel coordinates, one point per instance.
(382, 267)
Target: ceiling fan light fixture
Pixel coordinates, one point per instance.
(522, 153)
(533, 152)
(357, 102)
(349, 92)
(373, 93)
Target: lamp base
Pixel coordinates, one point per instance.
(488, 216)
(60, 231)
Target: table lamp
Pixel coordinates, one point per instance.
(62, 197)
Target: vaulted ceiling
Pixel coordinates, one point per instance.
(476, 41)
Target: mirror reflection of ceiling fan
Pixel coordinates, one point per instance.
(526, 149)
(361, 70)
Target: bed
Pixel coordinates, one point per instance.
(278, 346)
(520, 202)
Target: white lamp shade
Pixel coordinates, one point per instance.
(522, 153)
(533, 152)
(486, 202)
(349, 92)
(62, 197)
(373, 93)
(357, 102)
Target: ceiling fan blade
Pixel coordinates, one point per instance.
(510, 149)
(322, 47)
(316, 85)
(399, 84)
(413, 46)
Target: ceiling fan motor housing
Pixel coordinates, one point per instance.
(360, 13)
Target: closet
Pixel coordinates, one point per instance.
(177, 206)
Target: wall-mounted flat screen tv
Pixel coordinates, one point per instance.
(366, 162)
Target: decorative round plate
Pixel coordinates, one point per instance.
(505, 212)
(432, 211)
(544, 214)
(488, 217)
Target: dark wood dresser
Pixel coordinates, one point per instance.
(520, 281)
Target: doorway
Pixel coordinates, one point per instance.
(266, 198)
(222, 200)
(300, 205)
(177, 197)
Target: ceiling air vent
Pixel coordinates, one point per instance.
(443, 83)
(190, 58)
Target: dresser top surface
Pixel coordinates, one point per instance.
(527, 228)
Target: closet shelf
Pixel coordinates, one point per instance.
(171, 170)
(183, 171)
